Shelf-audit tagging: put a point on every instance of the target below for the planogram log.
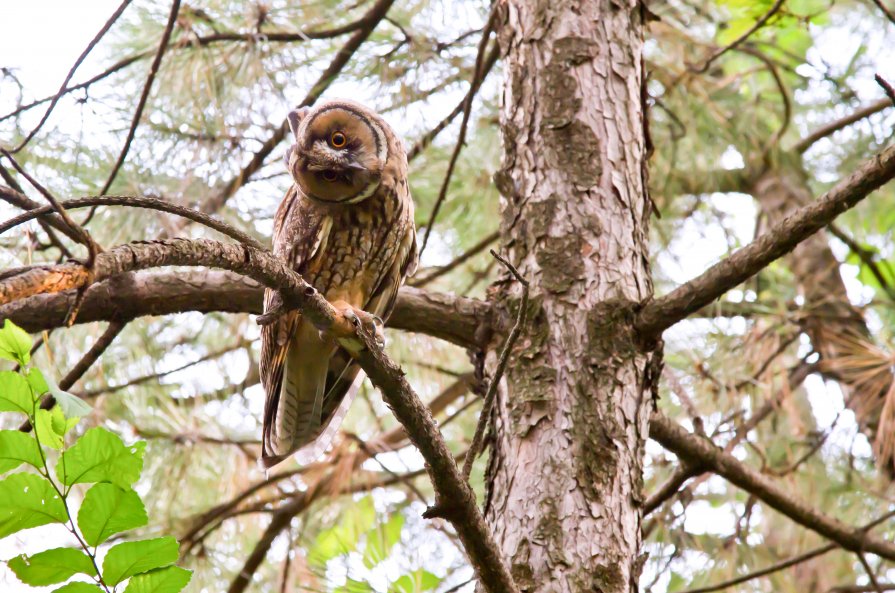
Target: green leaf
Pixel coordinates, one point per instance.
(78, 588)
(164, 580)
(107, 510)
(28, 500)
(52, 566)
(416, 582)
(100, 456)
(15, 343)
(342, 538)
(130, 558)
(37, 382)
(72, 405)
(45, 424)
(15, 393)
(381, 539)
(17, 448)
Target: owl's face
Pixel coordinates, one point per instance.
(339, 153)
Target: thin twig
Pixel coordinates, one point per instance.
(429, 136)
(484, 417)
(758, 25)
(144, 97)
(869, 571)
(889, 14)
(77, 230)
(834, 126)
(477, 74)
(90, 47)
(890, 92)
(457, 261)
(137, 202)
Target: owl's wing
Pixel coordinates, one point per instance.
(299, 234)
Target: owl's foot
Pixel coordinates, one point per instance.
(274, 311)
(355, 319)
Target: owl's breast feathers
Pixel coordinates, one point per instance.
(359, 253)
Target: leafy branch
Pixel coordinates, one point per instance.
(110, 505)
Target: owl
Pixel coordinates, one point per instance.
(346, 225)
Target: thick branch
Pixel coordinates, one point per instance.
(458, 320)
(694, 449)
(665, 311)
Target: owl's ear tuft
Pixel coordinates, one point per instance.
(295, 116)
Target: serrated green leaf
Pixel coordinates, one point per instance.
(164, 580)
(100, 456)
(416, 582)
(107, 510)
(17, 448)
(78, 588)
(43, 427)
(52, 566)
(381, 539)
(15, 393)
(28, 500)
(130, 558)
(15, 343)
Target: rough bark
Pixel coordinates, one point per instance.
(569, 423)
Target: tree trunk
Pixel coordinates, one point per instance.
(570, 420)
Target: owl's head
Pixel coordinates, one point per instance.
(340, 151)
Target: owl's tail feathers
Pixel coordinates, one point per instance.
(298, 419)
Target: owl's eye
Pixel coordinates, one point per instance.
(338, 140)
(329, 175)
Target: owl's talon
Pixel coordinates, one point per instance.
(370, 324)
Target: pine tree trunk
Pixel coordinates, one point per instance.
(571, 418)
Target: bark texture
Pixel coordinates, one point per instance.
(569, 423)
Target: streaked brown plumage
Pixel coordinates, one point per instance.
(346, 226)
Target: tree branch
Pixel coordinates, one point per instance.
(694, 449)
(834, 126)
(665, 311)
(458, 320)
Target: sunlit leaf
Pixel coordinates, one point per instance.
(100, 456)
(78, 588)
(107, 510)
(15, 343)
(164, 580)
(28, 500)
(16, 448)
(46, 425)
(52, 566)
(130, 558)
(416, 582)
(15, 393)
